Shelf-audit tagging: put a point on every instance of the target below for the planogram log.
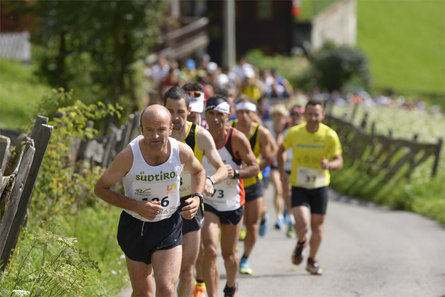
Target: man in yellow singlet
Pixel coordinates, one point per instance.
(316, 151)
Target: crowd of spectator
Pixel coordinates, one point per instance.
(246, 79)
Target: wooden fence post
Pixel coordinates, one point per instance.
(437, 157)
(364, 121)
(6, 230)
(135, 126)
(354, 112)
(4, 148)
(41, 135)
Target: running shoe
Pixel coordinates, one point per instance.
(286, 216)
(290, 233)
(279, 224)
(199, 290)
(242, 234)
(230, 292)
(313, 267)
(244, 267)
(297, 255)
(262, 230)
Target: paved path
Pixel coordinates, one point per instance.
(368, 250)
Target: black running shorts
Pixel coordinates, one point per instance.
(139, 240)
(231, 217)
(194, 224)
(254, 191)
(316, 199)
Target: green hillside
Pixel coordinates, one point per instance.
(405, 43)
(20, 91)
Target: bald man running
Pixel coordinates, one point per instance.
(150, 226)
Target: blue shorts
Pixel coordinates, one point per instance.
(139, 240)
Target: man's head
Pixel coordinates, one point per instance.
(296, 113)
(217, 112)
(313, 112)
(230, 94)
(196, 93)
(156, 126)
(245, 109)
(177, 101)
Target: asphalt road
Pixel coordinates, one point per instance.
(368, 250)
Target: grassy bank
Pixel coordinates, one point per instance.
(68, 247)
(20, 90)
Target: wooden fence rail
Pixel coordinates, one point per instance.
(17, 178)
(383, 156)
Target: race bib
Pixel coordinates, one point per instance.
(310, 178)
(224, 194)
(185, 189)
(165, 192)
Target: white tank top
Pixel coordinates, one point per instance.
(228, 194)
(154, 183)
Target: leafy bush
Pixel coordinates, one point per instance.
(340, 68)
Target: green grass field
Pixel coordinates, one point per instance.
(405, 43)
(20, 90)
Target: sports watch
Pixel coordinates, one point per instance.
(199, 195)
(211, 179)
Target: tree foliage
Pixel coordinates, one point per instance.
(95, 44)
(340, 67)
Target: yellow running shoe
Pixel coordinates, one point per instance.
(199, 290)
(242, 234)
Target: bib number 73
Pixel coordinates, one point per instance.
(219, 193)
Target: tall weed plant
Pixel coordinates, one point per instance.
(68, 246)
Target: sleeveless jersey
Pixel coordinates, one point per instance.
(155, 183)
(254, 140)
(229, 194)
(185, 188)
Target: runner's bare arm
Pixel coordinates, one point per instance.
(242, 149)
(335, 164)
(117, 170)
(207, 145)
(280, 160)
(267, 145)
(197, 172)
(211, 152)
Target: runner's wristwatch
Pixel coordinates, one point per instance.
(199, 195)
(236, 174)
(211, 179)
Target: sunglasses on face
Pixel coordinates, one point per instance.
(194, 94)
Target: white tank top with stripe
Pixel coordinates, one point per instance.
(229, 194)
(154, 183)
